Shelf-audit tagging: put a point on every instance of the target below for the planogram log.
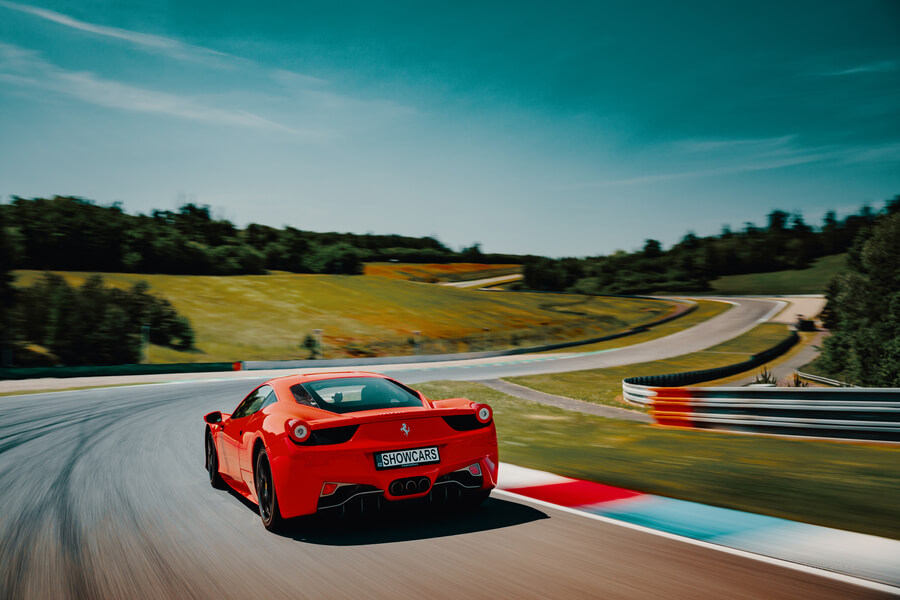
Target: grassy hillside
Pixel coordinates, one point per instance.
(439, 273)
(267, 316)
(804, 281)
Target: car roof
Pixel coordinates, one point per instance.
(286, 382)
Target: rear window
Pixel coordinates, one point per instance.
(351, 394)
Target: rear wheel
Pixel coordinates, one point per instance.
(265, 494)
(212, 463)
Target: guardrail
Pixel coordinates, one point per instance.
(846, 413)
(632, 388)
(824, 380)
(107, 370)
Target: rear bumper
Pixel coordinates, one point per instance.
(300, 472)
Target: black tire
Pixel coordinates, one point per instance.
(269, 511)
(212, 464)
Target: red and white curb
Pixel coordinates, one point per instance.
(865, 559)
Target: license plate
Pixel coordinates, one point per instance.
(407, 458)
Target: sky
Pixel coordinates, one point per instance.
(560, 129)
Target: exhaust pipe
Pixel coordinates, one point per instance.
(409, 486)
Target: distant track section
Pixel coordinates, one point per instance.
(747, 312)
(476, 283)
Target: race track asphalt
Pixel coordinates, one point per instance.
(104, 495)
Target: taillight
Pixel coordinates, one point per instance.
(483, 413)
(298, 430)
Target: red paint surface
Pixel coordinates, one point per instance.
(575, 493)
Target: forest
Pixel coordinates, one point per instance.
(786, 242)
(94, 324)
(73, 234)
(863, 309)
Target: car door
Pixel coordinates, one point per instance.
(253, 423)
(234, 428)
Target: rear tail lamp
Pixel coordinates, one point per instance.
(328, 488)
(298, 430)
(483, 413)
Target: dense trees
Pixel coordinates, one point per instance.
(56, 323)
(787, 242)
(863, 311)
(77, 235)
(7, 294)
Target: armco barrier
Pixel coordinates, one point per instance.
(824, 380)
(631, 386)
(846, 413)
(99, 371)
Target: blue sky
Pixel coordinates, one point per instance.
(565, 128)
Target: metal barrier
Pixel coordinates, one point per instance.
(108, 370)
(846, 413)
(692, 377)
(824, 380)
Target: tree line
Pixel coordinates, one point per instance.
(54, 323)
(863, 309)
(786, 242)
(74, 234)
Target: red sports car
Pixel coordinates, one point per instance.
(304, 443)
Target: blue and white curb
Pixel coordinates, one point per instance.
(856, 554)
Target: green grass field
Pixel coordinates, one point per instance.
(842, 485)
(706, 309)
(267, 316)
(604, 386)
(804, 281)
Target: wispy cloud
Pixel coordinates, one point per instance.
(713, 158)
(742, 145)
(146, 41)
(166, 46)
(883, 66)
(763, 165)
(25, 68)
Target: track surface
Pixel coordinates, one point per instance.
(104, 495)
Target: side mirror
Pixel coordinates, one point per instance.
(213, 418)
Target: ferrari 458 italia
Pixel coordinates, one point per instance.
(301, 444)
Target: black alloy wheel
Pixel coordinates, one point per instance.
(265, 494)
(212, 463)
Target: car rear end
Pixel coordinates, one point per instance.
(372, 457)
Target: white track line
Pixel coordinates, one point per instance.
(841, 577)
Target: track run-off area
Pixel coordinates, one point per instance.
(104, 495)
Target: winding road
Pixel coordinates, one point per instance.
(104, 495)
